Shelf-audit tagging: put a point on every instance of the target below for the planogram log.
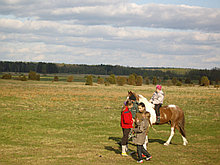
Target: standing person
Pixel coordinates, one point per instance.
(141, 129)
(126, 124)
(139, 115)
(134, 108)
(157, 100)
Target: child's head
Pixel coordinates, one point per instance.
(141, 107)
(129, 104)
(158, 88)
(146, 115)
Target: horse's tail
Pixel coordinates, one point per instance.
(181, 125)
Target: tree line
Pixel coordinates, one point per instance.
(25, 67)
(151, 73)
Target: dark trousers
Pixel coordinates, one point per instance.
(157, 109)
(124, 140)
(140, 151)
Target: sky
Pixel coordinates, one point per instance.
(135, 33)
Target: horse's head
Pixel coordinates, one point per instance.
(132, 96)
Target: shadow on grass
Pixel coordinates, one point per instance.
(159, 141)
(117, 139)
(133, 153)
(118, 149)
(156, 141)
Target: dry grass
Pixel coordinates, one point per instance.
(70, 123)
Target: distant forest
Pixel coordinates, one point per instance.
(150, 72)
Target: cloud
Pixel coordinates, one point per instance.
(116, 13)
(150, 15)
(116, 32)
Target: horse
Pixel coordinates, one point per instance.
(170, 114)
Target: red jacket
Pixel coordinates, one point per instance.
(126, 118)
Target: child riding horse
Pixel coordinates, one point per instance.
(157, 100)
(172, 114)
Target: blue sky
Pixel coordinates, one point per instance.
(139, 33)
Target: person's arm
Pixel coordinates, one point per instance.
(152, 98)
(140, 128)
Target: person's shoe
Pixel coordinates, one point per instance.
(158, 120)
(140, 161)
(124, 154)
(148, 158)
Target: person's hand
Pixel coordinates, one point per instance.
(137, 120)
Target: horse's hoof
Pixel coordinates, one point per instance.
(185, 143)
(166, 144)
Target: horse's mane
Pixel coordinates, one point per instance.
(149, 107)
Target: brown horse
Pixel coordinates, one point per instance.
(168, 114)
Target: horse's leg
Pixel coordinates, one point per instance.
(171, 136)
(146, 143)
(185, 142)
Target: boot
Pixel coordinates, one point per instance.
(123, 147)
(158, 120)
(126, 149)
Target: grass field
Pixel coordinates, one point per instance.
(69, 123)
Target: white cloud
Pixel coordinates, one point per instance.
(115, 32)
(118, 13)
(214, 59)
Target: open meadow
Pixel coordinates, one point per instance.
(44, 122)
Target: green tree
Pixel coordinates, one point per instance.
(56, 78)
(147, 81)
(187, 80)
(33, 76)
(107, 83)
(100, 80)
(154, 80)
(205, 81)
(70, 79)
(111, 79)
(121, 80)
(139, 81)
(23, 78)
(38, 77)
(6, 76)
(131, 79)
(179, 83)
(89, 80)
(174, 80)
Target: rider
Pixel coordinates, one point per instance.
(157, 100)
